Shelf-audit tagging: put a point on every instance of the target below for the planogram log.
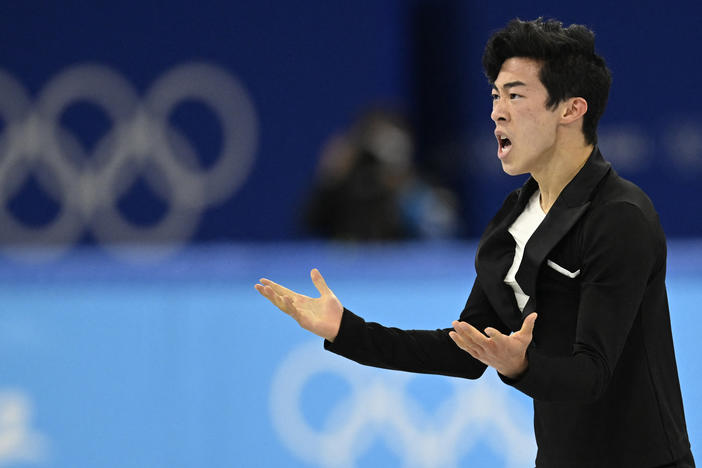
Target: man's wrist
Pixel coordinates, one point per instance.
(516, 372)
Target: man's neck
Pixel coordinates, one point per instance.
(563, 167)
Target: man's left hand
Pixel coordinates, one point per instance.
(506, 353)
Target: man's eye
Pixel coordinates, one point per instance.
(514, 96)
(495, 97)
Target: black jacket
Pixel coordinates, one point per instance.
(602, 368)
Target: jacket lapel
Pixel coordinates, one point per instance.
(551, 230)
(495, 252)
(571, 204)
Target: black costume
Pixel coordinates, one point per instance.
(602, 368)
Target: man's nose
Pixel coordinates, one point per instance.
(499, 111)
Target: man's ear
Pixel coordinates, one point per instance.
(574, 108)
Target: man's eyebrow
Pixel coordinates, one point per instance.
(509, 85)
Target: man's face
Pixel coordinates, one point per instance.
(524, 127)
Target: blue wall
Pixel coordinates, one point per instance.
(295, 75)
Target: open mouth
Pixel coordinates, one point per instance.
(504, 142)
(504, 146)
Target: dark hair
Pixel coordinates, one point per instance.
(571, 68)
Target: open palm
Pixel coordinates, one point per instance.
(506, 353)
(321, 315)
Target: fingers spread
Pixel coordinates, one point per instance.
(290, 308)
(528, 325)
(457, 339)
(494, 334)
(265, 291)
(471, 337)
(319, 282)
(282, 290)
(463, 344)
(284, 303)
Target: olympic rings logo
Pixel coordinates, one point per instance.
(380, 407)
(140, 143)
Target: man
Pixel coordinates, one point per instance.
(577, 244)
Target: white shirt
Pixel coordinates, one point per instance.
(521, 230)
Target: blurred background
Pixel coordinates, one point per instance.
(157, 158)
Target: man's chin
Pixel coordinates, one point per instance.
(512, 170)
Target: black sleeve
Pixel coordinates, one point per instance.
(620, 255)
(424, 351)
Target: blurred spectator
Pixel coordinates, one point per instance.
(367, 187)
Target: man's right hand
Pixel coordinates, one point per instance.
(321, 316)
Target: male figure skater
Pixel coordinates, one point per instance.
(576, 244)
